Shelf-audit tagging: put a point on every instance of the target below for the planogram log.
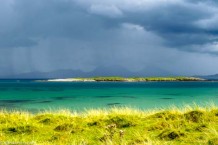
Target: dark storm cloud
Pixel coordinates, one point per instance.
(176, 20)
(46, 35)
(42, 19)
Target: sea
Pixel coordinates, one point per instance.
(40, 95)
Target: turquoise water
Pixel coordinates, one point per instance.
(35, 96)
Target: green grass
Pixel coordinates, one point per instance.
(117, 126)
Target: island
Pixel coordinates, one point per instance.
(129, 79)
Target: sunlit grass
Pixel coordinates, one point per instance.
(187, 125)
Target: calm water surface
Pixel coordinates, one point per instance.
(35, 96)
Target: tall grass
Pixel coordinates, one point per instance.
(116, 126)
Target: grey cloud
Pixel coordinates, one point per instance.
(111, 11)
(41, 19)
(181, 23)
(180, 20)
(171, 35)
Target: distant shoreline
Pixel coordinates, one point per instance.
(136, 79)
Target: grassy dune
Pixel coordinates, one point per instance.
(118, 126)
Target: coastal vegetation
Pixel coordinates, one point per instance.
(116, 126)
(130, 79)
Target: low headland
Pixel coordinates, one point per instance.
(116, 126)
(130, 79)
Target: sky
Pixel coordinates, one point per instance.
(178, 37)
